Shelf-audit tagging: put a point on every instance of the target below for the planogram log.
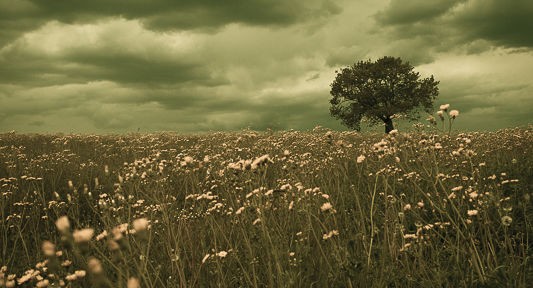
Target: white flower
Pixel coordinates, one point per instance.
(95, 266)
(454, 113)
(222, 254)
(49, 249)
(62, 224)
(361, 158)
(140, 224)
(330, 234)
(83, 235)
(473, 195)
(239, 211)
(444, 107)
(101, 235)
(326, 206)
(134, 283)
(43, 283)
(472, 212)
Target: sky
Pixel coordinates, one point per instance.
(124, 66)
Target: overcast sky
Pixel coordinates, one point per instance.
(156, 65)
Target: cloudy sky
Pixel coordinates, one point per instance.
(200, 65)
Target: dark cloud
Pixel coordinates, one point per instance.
(17, 17)
(447, 25)
(505, 23)
(204, 65)
(412, 11)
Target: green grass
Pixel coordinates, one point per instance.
(399, 218)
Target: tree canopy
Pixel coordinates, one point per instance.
(378, 91)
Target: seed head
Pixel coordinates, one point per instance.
(454, 114)
(83, 235)
(49, 249)
(140, 224)
(506, 220)
(62, 224)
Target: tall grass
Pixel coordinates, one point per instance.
(419, 209)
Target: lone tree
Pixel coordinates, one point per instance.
(378, 90)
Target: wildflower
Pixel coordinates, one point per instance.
(43, 283)
(83, 235)
(71, 277)
(326, 206)
(62, 224)
(506, 220)
(405, 247)
(472, 212)
(291, 205)
(454, 113)
(205, 258)
(420, 204)
(101, 235)
(407, 207)
(140, 224)
(49, 249)
(222, 254)
(410, 236)
(95, 266)
(361, 158)
(112, 245)
(458, 188)
(440, 114)
(256, 221)
(265, 159)
(444, 107)
(134, 283)
(330, 234)
(24, 278)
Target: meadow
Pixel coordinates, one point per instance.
(267, 209)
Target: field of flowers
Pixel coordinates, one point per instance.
(269, 209)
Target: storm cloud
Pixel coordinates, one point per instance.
(204, 65)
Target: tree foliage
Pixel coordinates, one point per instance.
(378, 91)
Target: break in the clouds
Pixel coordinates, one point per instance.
(119, 66)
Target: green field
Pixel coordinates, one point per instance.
(269, 209)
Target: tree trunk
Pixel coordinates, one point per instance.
(388, 125)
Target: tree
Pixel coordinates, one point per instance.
(378, 91)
